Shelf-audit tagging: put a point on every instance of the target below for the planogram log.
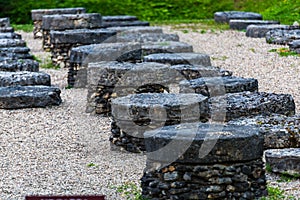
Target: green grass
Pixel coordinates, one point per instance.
(284, 52)
(130, 191)
(24, 27)
(275, 193)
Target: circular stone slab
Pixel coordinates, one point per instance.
(226, 16)
(179, 58)
(243, 24)
(259, 31)
(227, 143)
(24, 78)
(29, 97)
(159, 107)
(19, 65)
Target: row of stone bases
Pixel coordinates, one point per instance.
(273, 31)
(203, 130)
(21, 83)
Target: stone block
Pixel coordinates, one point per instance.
(282, 36)
(137, 113)
(226, 16)
(6, 30)
(243, 24)
(279, 131)
(29, 97)
(10, 35)
(179, 58)
(19, 65)
(216, 86)
(286, 161)
(24, 79)
(147, 37)
(234, 105)
(260, 31)
(121, 21)
(4, 22)
(81, 56)
(204, 161)
(295, 46)
(166, 47)
(136, 29)
(8, 43)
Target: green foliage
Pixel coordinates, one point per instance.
(130, 191)
(284, 52)
(275, 193)
(91, 165)
(286, 11)
(24, 27)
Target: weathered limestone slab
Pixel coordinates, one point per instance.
(260, 31)
(295, 46)
(63, 41)
(122, 20)
(129, 23)
(136, 29)
(14, 56)
(204, 161)
(226, 16)
(197, 71)
(166, 47)
(4, 22)
(137, 113)
(68, 22)
(37, 17)
(108, 80)
(284, 160)
(81, 56)
(6, 30)
(179, 58)
(147, 37)
(243, 24)
(19, 65)
(215, 86)
(8, 42)
(29, 97)
(280, 131)
(234, 105)
(282, 37)
(10, 35)
(24, 78)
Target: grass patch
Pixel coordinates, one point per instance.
(130, 191)
(23, 27)
(275, 193)
(45, 63)
(284, 52)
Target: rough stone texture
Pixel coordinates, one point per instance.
(29, 97)
(232, 169)
(6, 30)
(179, 58)
(10, 35)
(107, 80)
(37, 17)
(4, 22)
(242, 104)
(8, 42)
(259, 31)
(136, 29)
(146, 37)
(197, 71)
(68, 22)
(119, 18)
(63, 41)
(280, 131)
(215, 86)
(137, 113)
(243, 24)
(284, 160)
(124, 23)
(283, 36)
(19, 65)
(226, 16)
(295, 46)
(81, 56)
(24, 79)
(166, 47)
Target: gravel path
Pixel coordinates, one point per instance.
(47, 151)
